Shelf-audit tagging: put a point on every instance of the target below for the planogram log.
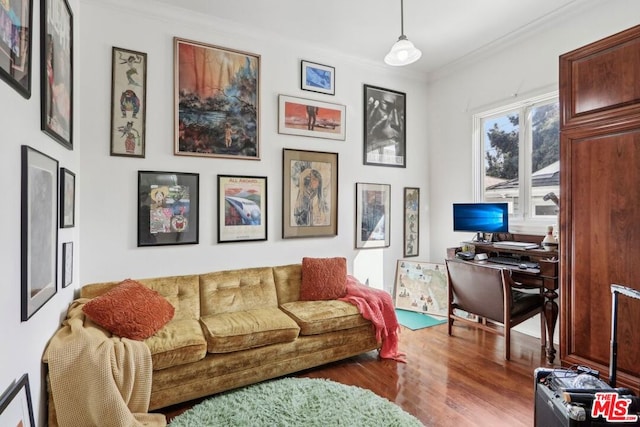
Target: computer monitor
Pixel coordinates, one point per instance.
(481, 218)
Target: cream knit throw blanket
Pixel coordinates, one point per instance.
(98, 379)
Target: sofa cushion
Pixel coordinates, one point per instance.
(178, 343)
(318, 317)
(323, 278)
(227, 332)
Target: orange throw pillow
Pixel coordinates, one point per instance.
(130, 310)
(323, 279)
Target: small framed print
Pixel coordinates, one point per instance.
(372, 215)
(67, 264)
(67, 198)
(15, 44)
(15, 405)
(306, 117)
(384, 127)
(411, 221)
(242, 208)
(318, 78)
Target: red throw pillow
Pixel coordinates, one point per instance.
(323, 279)
(130, 310)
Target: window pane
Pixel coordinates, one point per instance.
(501, 156)
(545, 159)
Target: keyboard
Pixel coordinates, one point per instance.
(512, 261)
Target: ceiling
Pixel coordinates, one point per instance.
(445, 30)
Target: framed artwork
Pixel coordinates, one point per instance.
(67, 198)
(67, 264)
(421, 286)
(217, 101)
(385, 132)
(242, 208)
(411, 219)
(56, 109)
(16, 17)
(372, 215)
(167, 208)
(318, 78)
(39, 230)
(310, 194)
(306, 117)
(128, 102)
(15, 405)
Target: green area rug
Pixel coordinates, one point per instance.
(414, 320)
(304, 402)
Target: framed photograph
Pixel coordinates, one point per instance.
(15, 44)
(67, 198)
(167, 208)
(306, 117)
(39, 230)
(385, 132)
(217, 101)
(128, 102)
(310, 194)
(422, 287)
(411, 221)
(67, 264)
(56, 109)
(372, 215)
(15, 405)
(318, 78)
(242, 208)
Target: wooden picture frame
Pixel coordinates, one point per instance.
(411, 222)
(385, 130)
(167, 208)
(128, 102)
(310, 194)
(15, 45)
(67, 198)
(307, 117)
(67, 264)
(217, 101)
(39, 230)
(373, 209)
(422, 287)
(56, 102)
(16, 408)
(242, 208)
(317, 78)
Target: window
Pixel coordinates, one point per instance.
(517, 159)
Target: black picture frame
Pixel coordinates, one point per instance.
(15, 47)
(373, 215)
(385, 130)
(67, 198)
(317, 77)
(67, 264)
(167, 208)
(242, 208)
(16, 408)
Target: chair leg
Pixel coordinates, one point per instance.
(507, 342)
(450, 324)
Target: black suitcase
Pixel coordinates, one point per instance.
(578, 397)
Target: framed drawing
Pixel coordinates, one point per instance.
(67, 198)
(217, 101)
(411, 221)
(128, 102)
(306, 117)
(67, 264)
(167, 208)
(421, 286)
(39, 230)
(15, 405)
(372, 215)
(242, 208)
(15, 44)
(310, 194)
(385, 132)
(56, 45)
(318, 78)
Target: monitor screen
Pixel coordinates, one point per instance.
(481, 217)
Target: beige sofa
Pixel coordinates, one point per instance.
(238, 327)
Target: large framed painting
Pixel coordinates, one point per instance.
(411, 223)
(167, 208)
(317, 78)
(15, 44)
(217, 101)
(56, 42)
(15, 405)
(242, 208)
(385, 132)
(39, 230)
(306, 117)
(421, 286)
(373, 215)
(310, 194)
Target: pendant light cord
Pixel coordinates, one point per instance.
(401, 17)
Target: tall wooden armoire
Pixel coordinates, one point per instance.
(600, 203)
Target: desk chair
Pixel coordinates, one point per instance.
(489, 292)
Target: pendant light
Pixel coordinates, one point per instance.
(403, 52)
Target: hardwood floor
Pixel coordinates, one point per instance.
(461, 380)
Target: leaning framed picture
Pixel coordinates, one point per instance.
(421, 286)
(217, 101)
(67, 264)
(15, 44)
(411, 221)
(128, 102)
(39, 230)
(167, 208)
(310, 194)
(372, 215)
(15, 405)
(306, 117)
(242, 208)
(384, 127)
(56, 45)
(317, 78)
(67, 198)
